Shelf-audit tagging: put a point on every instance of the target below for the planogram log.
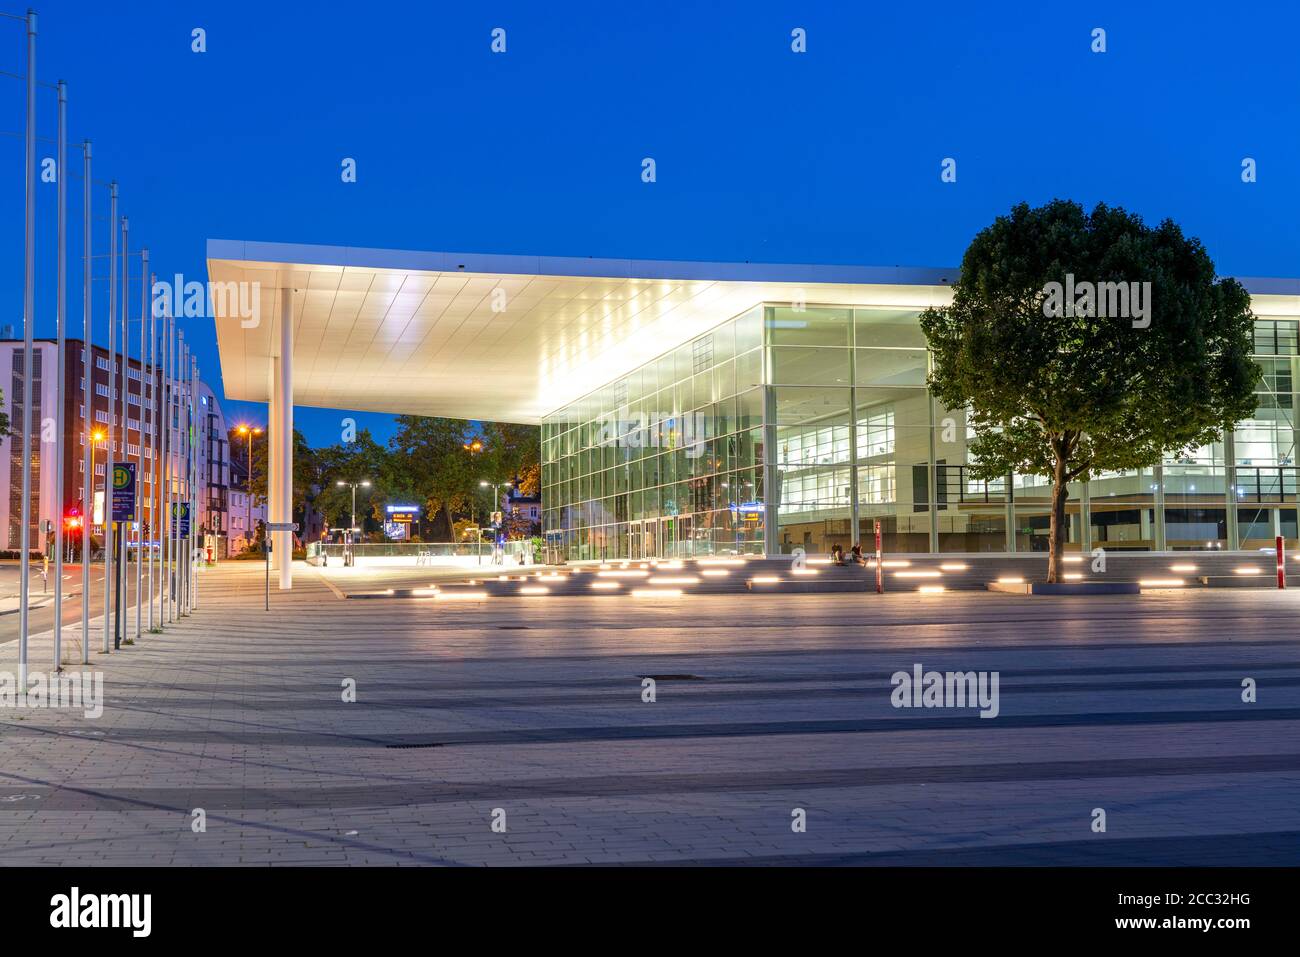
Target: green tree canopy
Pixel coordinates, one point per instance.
(1056, 383)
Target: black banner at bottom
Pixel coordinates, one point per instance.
(334, 906)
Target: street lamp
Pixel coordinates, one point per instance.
(496, 499)
(248, 432)
(352, 524)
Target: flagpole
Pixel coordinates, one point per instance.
(124, 528)
(109, 597)
(88, 392)
(61, 318)
(29, 323)
(151, 350)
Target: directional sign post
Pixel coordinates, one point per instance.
(275, 527)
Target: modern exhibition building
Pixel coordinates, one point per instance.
(693, 408)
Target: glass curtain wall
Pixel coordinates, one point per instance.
(669, 461)
(665, 462)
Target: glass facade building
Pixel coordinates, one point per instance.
(802, 426)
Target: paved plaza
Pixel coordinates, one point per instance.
(529, 712)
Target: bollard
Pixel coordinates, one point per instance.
(880, 571)
(1281, 563)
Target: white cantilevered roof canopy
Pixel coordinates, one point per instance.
(511, 338)
(496, 338)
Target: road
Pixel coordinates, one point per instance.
(41, 596)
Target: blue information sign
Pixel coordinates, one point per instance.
(181, 516)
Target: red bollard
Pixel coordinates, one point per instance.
(1281, 563)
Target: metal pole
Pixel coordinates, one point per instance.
(185, 477)
(152, 356)
(196, 428)
(61, 313)
(88, 395)
(192, 592)
(164, 574)
(139, 448)
(29, 323)
(109, 597)
(206, 474)
(171, 483)
(124, 529)
(182, 552)
(249, 485)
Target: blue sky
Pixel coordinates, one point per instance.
(831, 156)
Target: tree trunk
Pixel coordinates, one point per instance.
(1057, 530)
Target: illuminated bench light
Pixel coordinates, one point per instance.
(1182, 567)
(534, 590)
(804, 571)
(673, 580)
(1073, 576)
(764, 580)
(623, 573)
(425, 591)
(954, 566)
(714, 572)
(930, 589)
(605, 585)
(1161, 582)
(895, 564)
(1011, 580)
(733, 562)
(671, 565)
(460, 595)
(656, 593)
(918, 574)
(1072, 559)
(1246, 570)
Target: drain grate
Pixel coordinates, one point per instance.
(673, 677)
(408, 747)
(513, 627)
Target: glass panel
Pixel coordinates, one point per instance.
(793, 365)
(890, 367)
(888, 327)
(810, 326)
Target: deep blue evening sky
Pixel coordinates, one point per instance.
(832, 156)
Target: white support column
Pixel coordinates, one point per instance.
(284, 439)
(272, 454)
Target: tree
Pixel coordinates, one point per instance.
(1089, 342)
(429, 457)
(356, 461)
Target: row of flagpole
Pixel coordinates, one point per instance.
(172, 378)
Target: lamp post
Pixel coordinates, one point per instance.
(248, 432)
(496, 500)
(352, 519)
